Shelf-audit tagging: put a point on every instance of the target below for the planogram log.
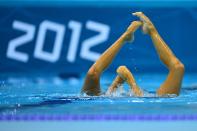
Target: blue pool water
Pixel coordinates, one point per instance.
(53, 95)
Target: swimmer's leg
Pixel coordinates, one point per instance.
(115, 84)
(125, 75)
(173, 81)
(92, 84)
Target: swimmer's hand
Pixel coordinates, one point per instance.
(147, 26)
(129, 34)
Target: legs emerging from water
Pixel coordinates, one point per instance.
(173, 81)
(92, 80)
(124, 75)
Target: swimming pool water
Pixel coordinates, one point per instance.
(52, 95)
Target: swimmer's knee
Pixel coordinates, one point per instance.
(92, 72)
(123, 72)
(179, 67)
(121, 69)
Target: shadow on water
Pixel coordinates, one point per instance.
(46, 103)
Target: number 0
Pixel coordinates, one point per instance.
(54, 55)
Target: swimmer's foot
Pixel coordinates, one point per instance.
(131, 29)
(126, 75)
(147, 26)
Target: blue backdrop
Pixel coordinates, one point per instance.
(70, 39)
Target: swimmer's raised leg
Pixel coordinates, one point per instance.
(125, 75)
(173, 81)
(92, 80)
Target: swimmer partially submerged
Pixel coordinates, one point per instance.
(171, 85)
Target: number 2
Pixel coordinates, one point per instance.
(27, 37)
